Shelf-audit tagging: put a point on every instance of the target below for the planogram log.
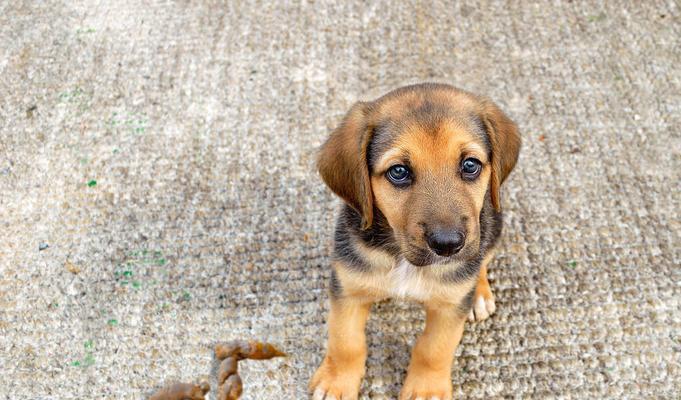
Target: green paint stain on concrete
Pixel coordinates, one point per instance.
(146, 257)
(81, 31)
(88, 344)
(132, 122)
(89, 360)
(92, 183)
(112, 322)
(596, 18)
(572, 263)
(136, 265)
(165, 307)
(71, 95)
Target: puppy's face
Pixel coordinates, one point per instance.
(425, 156)
(429, 176)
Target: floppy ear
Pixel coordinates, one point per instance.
(342, 162)
(505, 141)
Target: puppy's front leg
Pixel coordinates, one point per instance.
(483, 300)
(341, 372)
(430, 369)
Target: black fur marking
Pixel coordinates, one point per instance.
(348, 233)
(379, 235)
(385, 134)
(491, 223)
(484, 134)
(335, 286)
(429, 114)
(467, 302)
(344, 247)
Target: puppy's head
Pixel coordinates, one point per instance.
(424, 156)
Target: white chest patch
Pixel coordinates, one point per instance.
(409, 281)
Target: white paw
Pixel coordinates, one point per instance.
(482, 308)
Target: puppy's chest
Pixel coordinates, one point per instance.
(404, 280)
(389, 277)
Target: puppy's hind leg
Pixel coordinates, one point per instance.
(483, 300)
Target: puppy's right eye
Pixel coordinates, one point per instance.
(399, 175)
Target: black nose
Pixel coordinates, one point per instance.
(445, 242)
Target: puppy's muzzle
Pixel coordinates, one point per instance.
(446, 241)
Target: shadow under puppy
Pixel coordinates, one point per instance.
(420, 171)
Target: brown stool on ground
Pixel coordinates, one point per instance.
(230, 386)
(182, 391)
(229, 382)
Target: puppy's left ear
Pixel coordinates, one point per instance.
(505, 142)
(342, 162)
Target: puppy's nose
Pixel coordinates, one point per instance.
(445, 242)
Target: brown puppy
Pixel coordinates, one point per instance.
(420, 170)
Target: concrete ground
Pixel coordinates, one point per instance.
(158, 194)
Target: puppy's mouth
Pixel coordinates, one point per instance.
(424, 257)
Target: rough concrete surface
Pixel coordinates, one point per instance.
(158, 192)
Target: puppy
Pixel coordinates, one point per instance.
(419, 170)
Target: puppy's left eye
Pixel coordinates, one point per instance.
(470, 168)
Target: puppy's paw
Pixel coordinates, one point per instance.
(483, 302)
(334, 382)
(423, 384)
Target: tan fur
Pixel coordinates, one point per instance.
(437, 157)
(342, 370)
(429, 373)
(482, 288)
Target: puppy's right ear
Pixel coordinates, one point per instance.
(342, 162)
